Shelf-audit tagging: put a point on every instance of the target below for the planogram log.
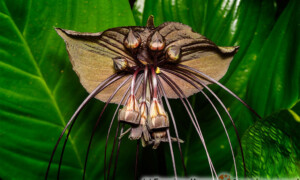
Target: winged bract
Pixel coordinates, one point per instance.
(140, 68)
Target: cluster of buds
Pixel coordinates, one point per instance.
(147, 49)
(148, 124)
(147, 118)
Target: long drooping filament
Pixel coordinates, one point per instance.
(109, 129)
(197, 72)
(138, 142)
(153, 86)
(118, 88)
(154, 82)
(98, 89)
(194, 122)
(182, 76)
(97, 123)
(193, 77)
(175, 127)
(139, 80)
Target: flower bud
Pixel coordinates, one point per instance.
(120, 63)
(158, 116)
(132, 41)
(159, 134)
(130, 113)
(144, 119)
(137, 132)
(173, 53)
(158, 137)
(156, 42)
(144, 113)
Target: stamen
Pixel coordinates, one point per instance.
(157, 71)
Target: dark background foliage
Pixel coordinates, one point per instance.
(39, 91)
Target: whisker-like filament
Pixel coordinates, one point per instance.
(112, 153)
(184, 72)
(117, 155)
(172, 153)
(136, 160)
(138, 142)
(107, 82)
(221, 85)
(145, 84)
(70, 129)
(182, 76)
(155, 88)
(110, 125)
(97, 123)
(175, 127)
(141, 53)
(113, 149)
(139, 81)
(194, 121)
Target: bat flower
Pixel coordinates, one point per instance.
(140, 68)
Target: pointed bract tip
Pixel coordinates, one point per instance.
(61, 32)
(150, 22)
(229, 49)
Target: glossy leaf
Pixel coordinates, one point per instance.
(39, 90)
(258, 27)
(272, 148)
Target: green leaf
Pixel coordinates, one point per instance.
(272, 145)
(39, 90)
(275, 79)
(265, 72)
